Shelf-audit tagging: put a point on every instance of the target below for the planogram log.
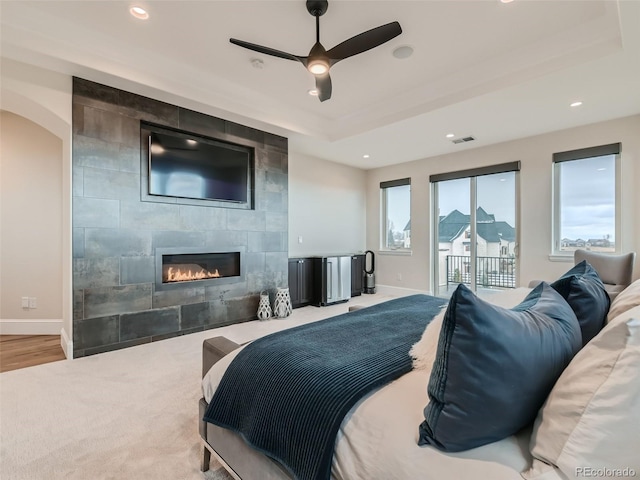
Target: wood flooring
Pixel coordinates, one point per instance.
(20, 351)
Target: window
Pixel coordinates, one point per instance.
(586, 199)
(396, 214)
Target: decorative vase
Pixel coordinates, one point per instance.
(264, 308)
(282, 304)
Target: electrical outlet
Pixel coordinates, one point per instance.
(25, 302)
(33, 302)
(299, 238)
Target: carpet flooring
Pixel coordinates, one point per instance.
(128, 414)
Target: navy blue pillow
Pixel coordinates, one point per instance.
(495, 367)
(582, 288)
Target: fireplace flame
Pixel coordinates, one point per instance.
(177, 275)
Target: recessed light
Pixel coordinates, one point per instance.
(506, 1)
(191, 141)
(601, 169)
(402, 52)
(366, 155)
(139, 12)
(450, 135)
(313, 92)
(575, 104)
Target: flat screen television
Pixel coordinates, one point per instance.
(188, 166)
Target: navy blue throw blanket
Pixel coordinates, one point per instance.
(287, 393)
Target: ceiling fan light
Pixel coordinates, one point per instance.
(318, 67)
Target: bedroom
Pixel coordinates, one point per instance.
(36, 92)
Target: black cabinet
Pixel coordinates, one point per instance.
(300, 281)
(357, 275)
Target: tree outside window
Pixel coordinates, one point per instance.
(396, 214)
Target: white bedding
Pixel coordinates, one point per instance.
(378, 438)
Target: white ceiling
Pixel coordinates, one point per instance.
(480, 67)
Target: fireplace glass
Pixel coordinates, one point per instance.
(193, 267)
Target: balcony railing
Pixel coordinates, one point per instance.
(490, 271)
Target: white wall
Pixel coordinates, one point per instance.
(326, 207)
(535, 154)
(30, 220)
(44, 97)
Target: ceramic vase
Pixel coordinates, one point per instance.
(282, 305)
(264, 308)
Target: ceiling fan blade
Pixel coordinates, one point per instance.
(323, 85)
(365, 41)
(266, 50)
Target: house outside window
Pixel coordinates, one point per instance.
(395, 196)
(586, 199)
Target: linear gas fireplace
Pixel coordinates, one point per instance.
(178, 268)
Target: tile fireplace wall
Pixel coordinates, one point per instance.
(117, 227)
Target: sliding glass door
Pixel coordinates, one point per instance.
(475, 228)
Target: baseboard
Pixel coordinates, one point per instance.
(400, 291)
(30, 327)
(66, 344)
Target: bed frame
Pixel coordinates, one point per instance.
(241, 461)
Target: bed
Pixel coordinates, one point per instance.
(379, 436)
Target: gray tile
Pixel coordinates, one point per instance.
(110, 126)
(218, 314)
(149, 323)
(254, 262)
(277, 221)
(243, 308)
(77, 182)
(201, 123)
(267, 242)
(277, 261)
(275, 182)
(273, 201)
(95, 272)
(195, 315)
(78, 304)
(107, 142)
(178, 296)
(225, 292)
(104, 242)
(276, 141)
(175, 239)
(148, 109)
(95, 332)
(77, 243)
(149, 216)
(96, 153)
(101, 183)
(236, 240)
(91, 90)
(137, 270)
(104, 301)
(203, 218)
(95, 212)
(249, 220)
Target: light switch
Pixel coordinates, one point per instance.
(25, 302)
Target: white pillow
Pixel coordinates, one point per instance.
(591, 419)
(625, 300)
(424, 350)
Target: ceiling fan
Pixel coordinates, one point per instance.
(319, 60)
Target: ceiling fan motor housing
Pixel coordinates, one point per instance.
(317, 8)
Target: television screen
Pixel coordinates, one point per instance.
(193, 167)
